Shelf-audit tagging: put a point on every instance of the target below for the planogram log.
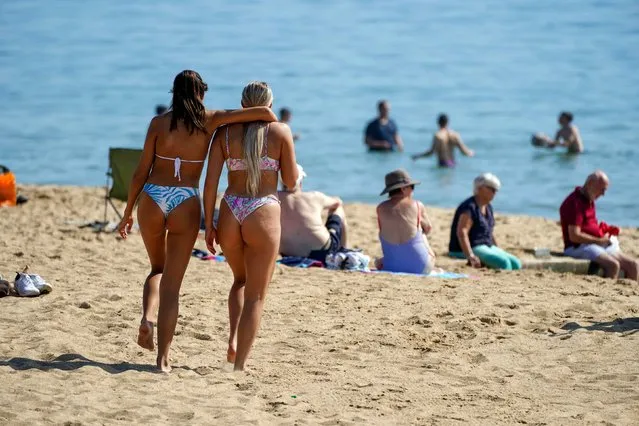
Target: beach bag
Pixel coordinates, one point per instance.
(8, 192)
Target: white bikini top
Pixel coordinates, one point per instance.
(177, 164)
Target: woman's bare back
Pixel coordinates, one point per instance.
(275, 138)
(191, 148)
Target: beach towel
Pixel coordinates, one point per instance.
(300, 262)
(205, 255)
(442, 274)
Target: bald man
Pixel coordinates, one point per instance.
(583, 235)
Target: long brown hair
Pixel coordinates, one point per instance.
(188, 92)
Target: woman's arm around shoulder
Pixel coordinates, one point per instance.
(217, 118)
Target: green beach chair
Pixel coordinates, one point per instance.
(122, 165)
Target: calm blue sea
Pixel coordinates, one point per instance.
(77, 77)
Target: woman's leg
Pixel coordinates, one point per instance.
(261, 233)
(182, 225)
(492, 256)
(151, 221)
(229, 236)
(513, 262)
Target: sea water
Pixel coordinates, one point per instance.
(78, 77)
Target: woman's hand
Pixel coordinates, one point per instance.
(474, 261)
(124, 228)
(209, 237)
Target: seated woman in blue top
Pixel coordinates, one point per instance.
(403, 225)
(471, 234)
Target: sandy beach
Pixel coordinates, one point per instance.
(335, 348)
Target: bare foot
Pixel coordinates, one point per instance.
(230, 354)
(163, 365)
(145, 335)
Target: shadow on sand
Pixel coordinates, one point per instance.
(619, 325)
(68, 362)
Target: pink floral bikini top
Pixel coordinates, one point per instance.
(266, 162)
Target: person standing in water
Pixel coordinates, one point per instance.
(166, 182)
(285, 117)
(381, 133)
(568, 135)
(444, 143)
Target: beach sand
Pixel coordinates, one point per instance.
(528, 347)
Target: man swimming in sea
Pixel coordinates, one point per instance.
(444, 143)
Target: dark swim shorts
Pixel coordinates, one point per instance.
(335, 228)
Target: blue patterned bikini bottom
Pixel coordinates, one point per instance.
(169, 197)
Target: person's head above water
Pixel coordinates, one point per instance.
(256, 93)
(442, 120)
(383, 107)
(285, 115)
(596, 184)
(161, 109)
(565, 118)
(187, 104)
(485, 186)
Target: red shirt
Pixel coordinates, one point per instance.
(578, 210)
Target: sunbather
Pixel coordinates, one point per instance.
(471, 234)
(587, 238)
(304, 233)
(403, 226)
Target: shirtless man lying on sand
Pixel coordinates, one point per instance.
(444, 143)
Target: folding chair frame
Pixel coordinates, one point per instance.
(107, 199)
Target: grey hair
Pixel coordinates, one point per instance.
(486, 179)
(256, 93)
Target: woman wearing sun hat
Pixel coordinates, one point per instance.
(403, 225)
(471, 233)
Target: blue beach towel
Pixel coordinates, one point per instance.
(300, 262)
(445, 274)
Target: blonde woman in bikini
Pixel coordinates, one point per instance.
(249, 223)
(166, 182)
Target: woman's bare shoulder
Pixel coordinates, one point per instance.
(280, 129)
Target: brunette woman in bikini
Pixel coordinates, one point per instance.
(166, 181)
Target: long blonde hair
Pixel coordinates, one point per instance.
(256, 93)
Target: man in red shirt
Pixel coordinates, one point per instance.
(583, 235)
